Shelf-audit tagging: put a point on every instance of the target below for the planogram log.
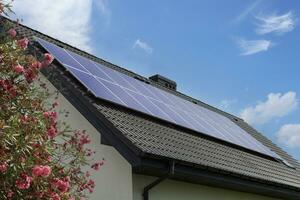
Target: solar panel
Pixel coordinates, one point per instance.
(111, 85)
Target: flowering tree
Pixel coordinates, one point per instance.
(40, 158)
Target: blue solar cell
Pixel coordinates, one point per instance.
(160, 94)
(142, 88)
(116, 87)
(172, 114)
(118, 78)
(61, 55)
(92, 84)
(129, 100)
(156, 111)
(88, 65)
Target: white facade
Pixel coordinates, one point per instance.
(115, 180)
(177, 190)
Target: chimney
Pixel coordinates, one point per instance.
(163, 81)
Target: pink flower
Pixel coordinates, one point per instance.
(41, 170)
(48, 59)
(84, 139)
(12, 32)
(18, 69)
(53, 117)
(52, 132)
(9, 194)
(23, 43)
(3, 167)
(46, 114)
(30, 75)
(24, 182)
(97, 165)
(61, 185)
(49, 158)
(46, 171)
(37, 171)
(24, 119)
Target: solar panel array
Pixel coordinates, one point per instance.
(111, 85)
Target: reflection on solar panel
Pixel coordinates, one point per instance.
(108, 84)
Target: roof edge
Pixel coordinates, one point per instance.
(213, 177)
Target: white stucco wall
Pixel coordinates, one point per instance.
(114, 180)
(177, 190)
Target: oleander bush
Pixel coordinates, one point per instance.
(40, 157)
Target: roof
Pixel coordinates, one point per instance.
(149, 144)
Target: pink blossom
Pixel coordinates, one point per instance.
(97, 165)
(23, 43)
(46, 114)
(9, 194)
(24, 182)
(46, 171)
(5, 84)
(12, 32)
(49, 158)
(18, 69)
(52, 132)
(84, 139)
(48, 59)
(41, 170)
(90, 185)
(61, 185)
(53, 117)
(24, 119)
(29, 75)
(37, 171)
(3, 167)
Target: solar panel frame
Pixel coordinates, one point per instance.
(109, 84)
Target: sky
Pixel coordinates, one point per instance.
(240, 56)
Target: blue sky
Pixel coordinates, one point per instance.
(241, 56)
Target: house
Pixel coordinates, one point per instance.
(149, 157)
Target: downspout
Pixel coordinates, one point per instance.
(158, 181)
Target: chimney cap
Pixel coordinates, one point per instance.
(163, 81)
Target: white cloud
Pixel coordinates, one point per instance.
(289, 135)
(276, 23)
(66, 20)
(247, 11)
(143, 45)
(277, 105)
(249, 47)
